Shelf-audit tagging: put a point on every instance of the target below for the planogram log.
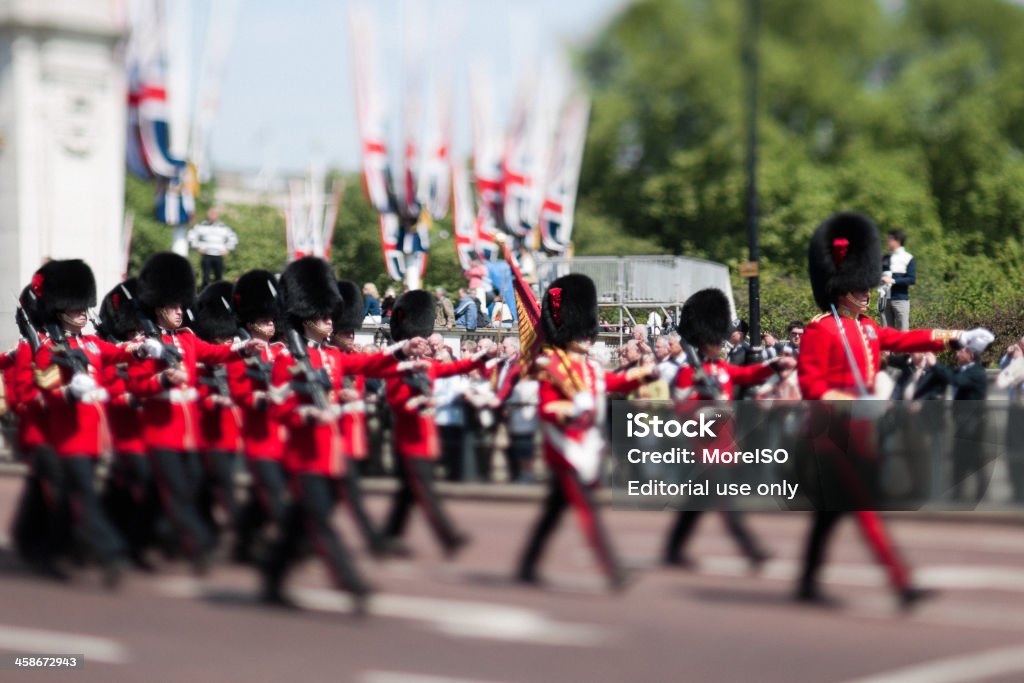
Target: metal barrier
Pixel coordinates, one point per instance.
(650, 281)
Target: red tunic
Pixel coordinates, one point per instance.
(170, 417)
(28, 404)
(77, 427)
(123, 412)
(262, 437)
(415, 432)
(316, 448)
(568, 379)
(220, 426)
(728, 376)
(823, 364)
(352, 423)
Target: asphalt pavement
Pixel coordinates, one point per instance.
(465, 620)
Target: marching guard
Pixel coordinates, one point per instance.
(572, 404)
(254, 301)
(165, 383)
(39, 515)
(219, 420)
(130, 496)
(704, 325)
(416, 444)
(839, 361)
(305, 382)
(348, 317)
(69, 368)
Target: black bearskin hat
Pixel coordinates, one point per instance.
(845, 256)
(706, 318)
(255, 297)
(413, 315)
(63, 286)
(214, 318)
(569, 310)
(349, 316)
(308, 290)
(166, 278)
(119, 320)
(30, 303)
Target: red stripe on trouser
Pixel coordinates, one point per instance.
(591, 525)
(873, 529)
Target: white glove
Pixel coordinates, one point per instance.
(81, 384)
(582, 403)
(977, 339)
(153, 348)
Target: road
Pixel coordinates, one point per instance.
(465, 621)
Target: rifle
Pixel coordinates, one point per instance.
(171, 355)
(25, 327)
(218, 379)
(309, 381)
(256, 368)
(74, 360)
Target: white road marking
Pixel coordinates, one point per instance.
(945, 577)
(457, 618)
(402, 677)
(18, 639)
(961, 669)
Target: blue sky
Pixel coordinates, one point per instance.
(287, 96)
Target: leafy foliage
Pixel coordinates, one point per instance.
(911, 112)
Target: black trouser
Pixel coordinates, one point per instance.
(817, 541)
(268, 502)
(686, 522)
(565, 488)
(217, 487)
(417, 486)
(87, 517)
(353, 492)
(177, 475)
(213, 268)
(131, 500)
(309, 516)
(41, 517)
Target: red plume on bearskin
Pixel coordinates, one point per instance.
(30, 303)
(119, 320)
(254, 297)
(845, 255)
(569, 310)
(63, 286)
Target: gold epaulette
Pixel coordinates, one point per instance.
(946, 336)
(820, 316)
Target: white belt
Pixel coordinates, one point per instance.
(353, 407)
(179, 395)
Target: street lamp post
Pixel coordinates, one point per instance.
(750, 63)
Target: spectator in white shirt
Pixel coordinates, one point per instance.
(212, 239)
